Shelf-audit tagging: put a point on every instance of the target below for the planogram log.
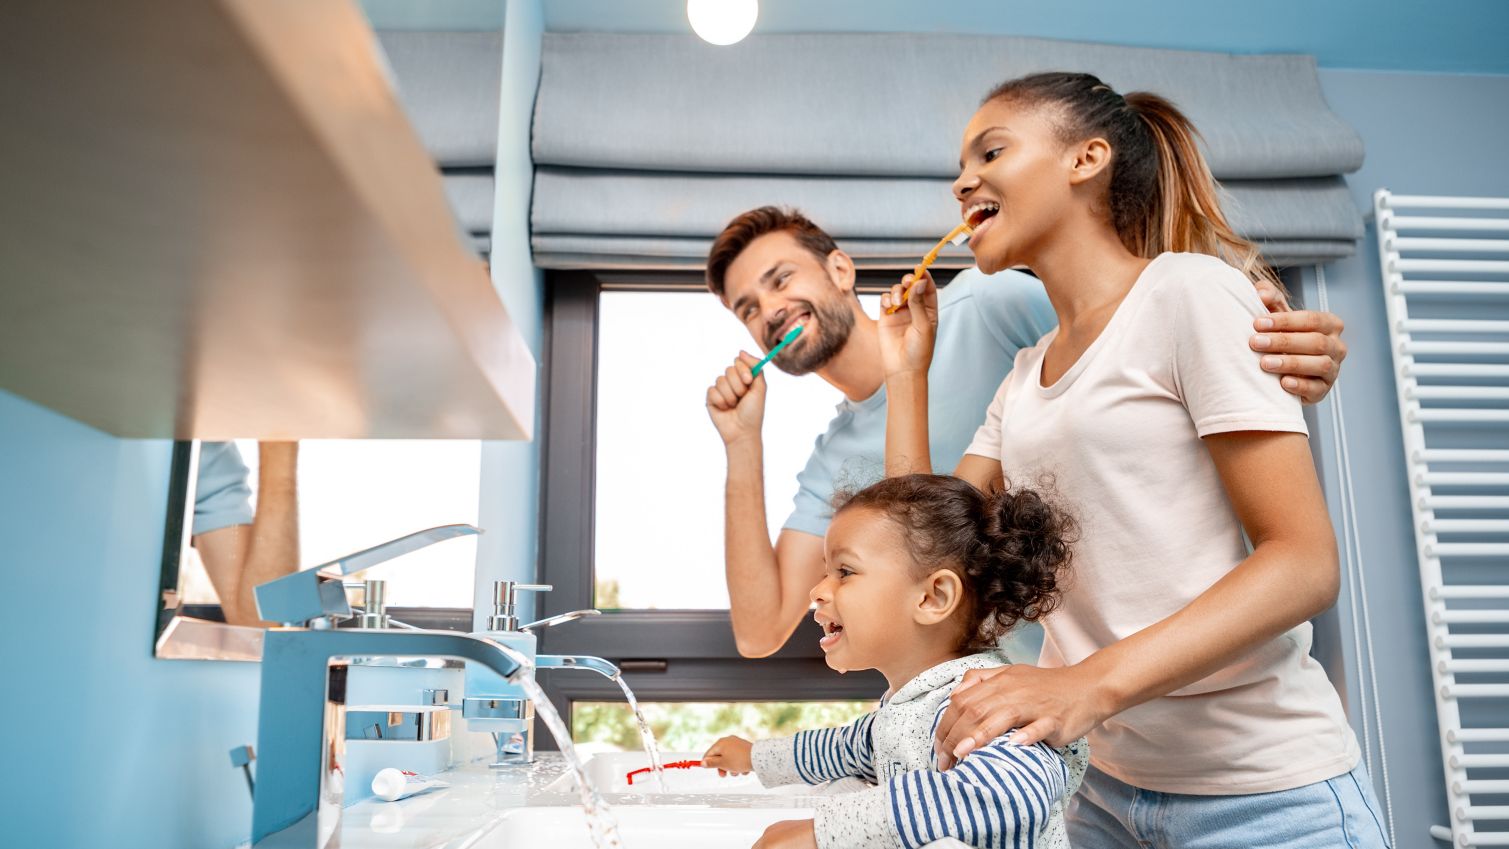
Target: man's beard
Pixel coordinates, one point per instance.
(808, 353)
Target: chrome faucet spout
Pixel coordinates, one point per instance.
(301, 726)
(562, 661)
(560, 619)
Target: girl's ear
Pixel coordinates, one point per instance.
(1092, 158)
(942, 593)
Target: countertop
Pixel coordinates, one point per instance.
(460, 815)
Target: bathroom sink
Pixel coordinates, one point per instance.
(640, 827)
(608, 772)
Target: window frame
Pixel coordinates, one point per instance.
(667, 655)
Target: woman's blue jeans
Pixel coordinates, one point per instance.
(1339, 813)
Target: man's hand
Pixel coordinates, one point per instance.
(730, 756)
(736, 400)
(1302, 346)
(907, 335)
(1056, 705)
(789, 834)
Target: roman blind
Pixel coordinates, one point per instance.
(646, 144)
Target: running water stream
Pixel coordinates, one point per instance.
(645, 734)
(600, 821)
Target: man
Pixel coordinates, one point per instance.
(241, 548)
(773, 269)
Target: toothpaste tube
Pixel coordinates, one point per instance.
(391, 784)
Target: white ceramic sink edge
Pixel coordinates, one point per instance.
(639, 827)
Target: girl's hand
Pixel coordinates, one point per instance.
(729, 755)
(789, 834)
(1056, 705)
(907, 336)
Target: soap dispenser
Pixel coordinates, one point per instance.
(492, 704)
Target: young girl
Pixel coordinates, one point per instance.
(1182, 653)
(923, 574)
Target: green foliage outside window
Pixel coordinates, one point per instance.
(607, 595)
(693, 726)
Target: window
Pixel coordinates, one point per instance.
(659, 464)
(632, 509)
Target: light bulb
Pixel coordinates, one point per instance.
(722, 21)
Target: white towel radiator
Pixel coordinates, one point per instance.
(1445, 275)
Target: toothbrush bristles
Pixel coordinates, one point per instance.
(955, 238)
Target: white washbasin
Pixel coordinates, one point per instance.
(640, 827)
(609, 773)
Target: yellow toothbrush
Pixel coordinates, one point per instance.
(955, 236)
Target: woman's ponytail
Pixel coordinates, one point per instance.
(1186, 214)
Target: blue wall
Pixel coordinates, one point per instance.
(106, 746)
(510, 470)
(1416, 35)
(1434, 134)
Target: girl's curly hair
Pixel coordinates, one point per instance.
(1011, 548)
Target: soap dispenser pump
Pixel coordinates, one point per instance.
(492, 704)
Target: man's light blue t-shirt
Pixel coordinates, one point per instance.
(222, 496)
(983, 320)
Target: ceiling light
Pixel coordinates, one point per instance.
(722, 21)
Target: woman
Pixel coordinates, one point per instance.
(1181, 654)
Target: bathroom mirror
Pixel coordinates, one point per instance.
(242, 513)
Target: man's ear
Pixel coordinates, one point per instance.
(1092, 158)
(942, 593)
(841, 270)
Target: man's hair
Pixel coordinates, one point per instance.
(752, 225)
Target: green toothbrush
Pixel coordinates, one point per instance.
(779, 346)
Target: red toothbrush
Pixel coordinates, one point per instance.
(674, 765)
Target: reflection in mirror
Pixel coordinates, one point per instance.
(239, 546)
(243, 513)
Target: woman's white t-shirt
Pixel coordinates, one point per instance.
(1118, 439)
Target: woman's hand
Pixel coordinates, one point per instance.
(730, 755)
(1056, 705)
(788, 834)
(907, 335)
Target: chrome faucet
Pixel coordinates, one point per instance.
(496, 707)
(301, 724)
(510, 718)
(301, 729)
(562, 661)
